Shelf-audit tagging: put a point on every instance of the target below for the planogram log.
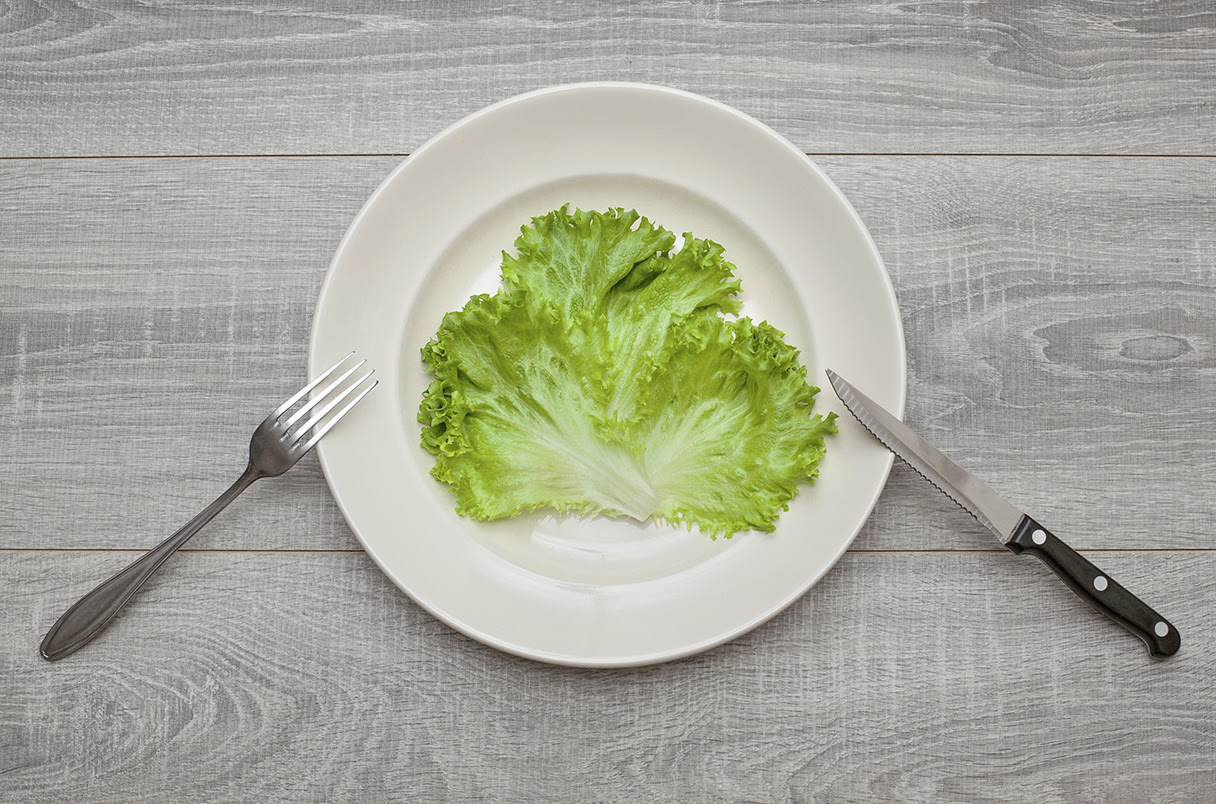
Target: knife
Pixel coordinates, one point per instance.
(1016, 530)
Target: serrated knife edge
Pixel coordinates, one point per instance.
(971, 494)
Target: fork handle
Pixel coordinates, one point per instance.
(94, 611)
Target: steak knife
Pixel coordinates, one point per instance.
(1016, 530)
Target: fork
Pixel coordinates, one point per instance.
(277, 444)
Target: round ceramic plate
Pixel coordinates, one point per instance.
(597, 591)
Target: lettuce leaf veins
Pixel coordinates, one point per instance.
(610, 376)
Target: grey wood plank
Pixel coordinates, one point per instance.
(120, 78)
(1059, 316)
(1060, 322)
(138, 296)
(903, 677)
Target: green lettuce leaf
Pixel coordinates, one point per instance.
(605, 377)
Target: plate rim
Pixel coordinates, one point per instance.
(654, 657)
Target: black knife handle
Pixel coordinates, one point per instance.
(1096, 588)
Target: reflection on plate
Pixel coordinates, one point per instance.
(600, 591)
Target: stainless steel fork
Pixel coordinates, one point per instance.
(276, 445)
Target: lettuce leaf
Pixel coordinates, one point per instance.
(605, 377)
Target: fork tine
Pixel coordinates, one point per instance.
(317, 436)
(312, 403)
(287, 405)
(330, 405)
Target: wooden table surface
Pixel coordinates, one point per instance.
(1041, 181)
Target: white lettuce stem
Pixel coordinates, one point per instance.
(622, 486)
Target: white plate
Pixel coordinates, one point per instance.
(600, 592)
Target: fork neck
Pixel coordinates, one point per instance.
(243, 482)
(246, 479)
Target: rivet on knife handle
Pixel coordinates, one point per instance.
(1097, 588)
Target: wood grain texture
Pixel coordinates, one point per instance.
(1060, 322)
(153, 297)
(1059, 315)
(931, 677)
(1079, 76)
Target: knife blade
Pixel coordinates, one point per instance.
(1013, 528)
